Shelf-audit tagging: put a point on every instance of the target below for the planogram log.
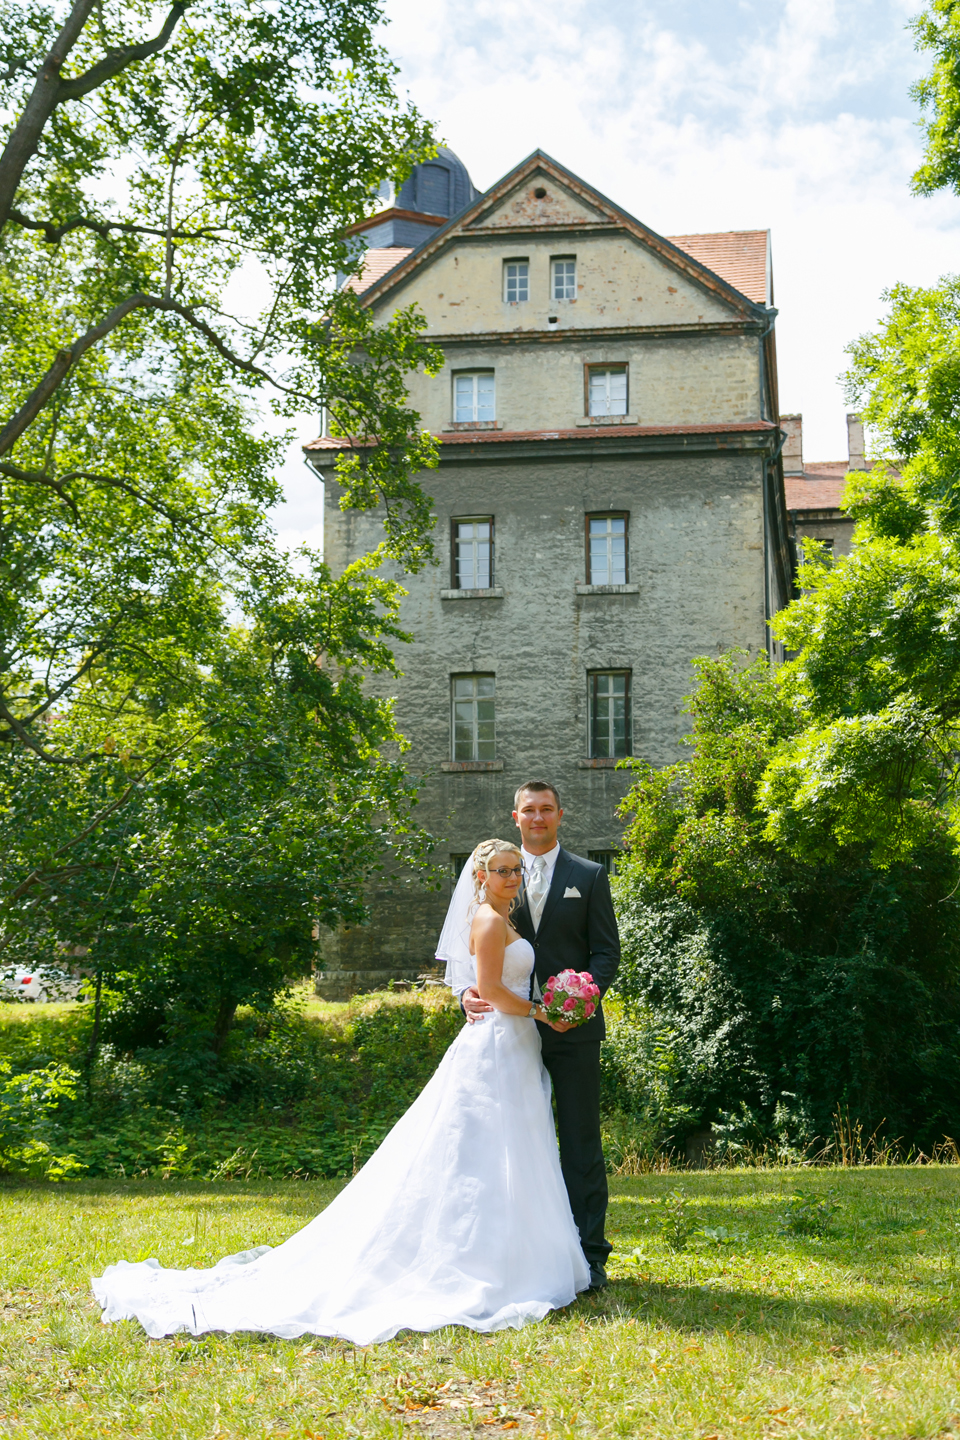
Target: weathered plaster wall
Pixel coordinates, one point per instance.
(696, 379)
(619, 282)
(696, 555)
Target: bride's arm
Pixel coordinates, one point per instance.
(490, 941)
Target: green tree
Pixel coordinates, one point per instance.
(152, 181)
(877, 636)
(789, 984)
(190, 772)
(937, 29)
(195, 887)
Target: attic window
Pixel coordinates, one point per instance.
(563, 272)
(516, 281)
(540, 193)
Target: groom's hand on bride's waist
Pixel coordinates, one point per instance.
(473, 1005)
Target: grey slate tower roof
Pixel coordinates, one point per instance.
(437, 190)
(438, 187)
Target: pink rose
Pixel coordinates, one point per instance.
(569, 1003)
(589, 1008)
(548, 997)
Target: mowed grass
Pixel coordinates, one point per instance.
(766, 1334)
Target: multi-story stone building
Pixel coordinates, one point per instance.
(610, 504)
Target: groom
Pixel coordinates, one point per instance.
(567, 916)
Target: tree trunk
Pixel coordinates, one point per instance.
(225, 1015)
(22, 145)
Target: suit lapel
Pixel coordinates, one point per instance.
(559, 883)
(522, 920)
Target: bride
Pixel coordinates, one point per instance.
(459, 1218)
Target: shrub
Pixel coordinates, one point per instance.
(292, 1094)
(26, 1103)
(787, 987)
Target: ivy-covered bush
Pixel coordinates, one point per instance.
(789, 987)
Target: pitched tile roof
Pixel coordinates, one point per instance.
(376, 263)
(737, 256)
(808, 492)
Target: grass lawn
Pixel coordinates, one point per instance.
(754, 1332)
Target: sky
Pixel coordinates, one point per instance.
(700, 115)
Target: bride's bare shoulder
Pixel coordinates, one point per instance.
(488, 924)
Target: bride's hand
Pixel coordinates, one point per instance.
(472, 1004)
(561, 1026)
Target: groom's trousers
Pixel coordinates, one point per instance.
(575, 1073)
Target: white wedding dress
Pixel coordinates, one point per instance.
(459, 1218)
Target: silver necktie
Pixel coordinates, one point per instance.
(537, 889)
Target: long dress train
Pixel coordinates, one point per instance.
(459, 1218)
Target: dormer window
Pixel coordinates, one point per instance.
(474, 397)
(563, 272)
(516, 281)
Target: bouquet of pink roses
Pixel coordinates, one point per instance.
(570, 996)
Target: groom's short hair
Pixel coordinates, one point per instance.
(537, 785)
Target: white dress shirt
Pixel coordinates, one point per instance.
(551, 858)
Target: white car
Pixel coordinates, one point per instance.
(39, 984)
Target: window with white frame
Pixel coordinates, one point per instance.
(609, 693)
(606, 549)
(474, 397)
(474, 729)
(563, 273)
(607, 389)
(516, 281)
(473, 554)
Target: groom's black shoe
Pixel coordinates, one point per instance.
(598, 1276)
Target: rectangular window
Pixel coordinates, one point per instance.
(473, 554)
(564, 279)
(457, 863)
(609, 714)
(609, 859)
(607, 389)
(606, 549)
(474, 397)
(474, 734)
(516, 281)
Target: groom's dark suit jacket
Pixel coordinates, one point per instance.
(576, 932)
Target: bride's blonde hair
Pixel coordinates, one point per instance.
(482, 856)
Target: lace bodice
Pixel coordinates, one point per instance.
(518, 961)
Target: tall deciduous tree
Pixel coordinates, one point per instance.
(190, 772)
(877, 636)
(157, 174)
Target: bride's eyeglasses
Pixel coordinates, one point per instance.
(505, 871)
